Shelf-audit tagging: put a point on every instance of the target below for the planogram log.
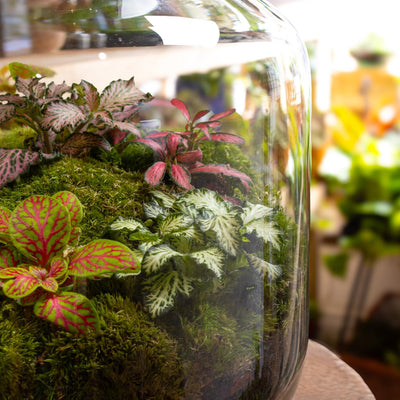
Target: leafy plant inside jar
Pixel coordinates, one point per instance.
(41, 264)
(67, 120)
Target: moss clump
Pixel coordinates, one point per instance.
(18, 137)
(130, 358)
(106, 192)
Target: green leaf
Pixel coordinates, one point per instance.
(72, 311)
(28, 71)
(337, 263)
(163, 289)
(102, 257)
(157, 256)
(212, 258)
(40, 228)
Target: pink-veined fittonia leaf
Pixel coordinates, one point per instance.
(5, 216)
(61, 114)
(90, 95)
(155, 173)
(127, 126)
(221, 115)
(7, 111)
(81, 143)
(19, 282)
(121, 93)
(155, 146)
(180, 105)
(15, 162)
(181, 176)
(9, 257)
(58, 90)
(101, 257)
(189, 157)
(226, 138)
(72, 311)
(40, 228)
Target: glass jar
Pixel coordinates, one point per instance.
(154, 201)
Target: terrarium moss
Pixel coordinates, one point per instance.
(105, 191)
(17, 137)
(131, 358)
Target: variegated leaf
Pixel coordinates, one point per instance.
(61, 114)
(127, 127)
(58, 269)
(7, 111)
(54, 90)
(180, 105)
(155, 173)
(20, 282)
(102, 256)
(154, 210)
(221, 115)
(46, 282)
(173, 223)
(157, 256)
(264, 230)
(212, 258)
(166, 200)
(121, 93)
(40, 228)
(15, 162)
(72, 204)
(23, 86)
(131, 224)
(5, 215)
(163, 289)
(263, 267)
(181, 176)
(28, 71)
(72, 311)
(255, 211)
(9, 257)
(91, 96)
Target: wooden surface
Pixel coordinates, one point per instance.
(326, 377)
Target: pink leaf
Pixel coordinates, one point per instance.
(200, 114)
(155, 173)
(7, 111)
(221, 115)
(101, 257)
(91, 96)
(72, 311)
(5, 215)
(15, 162)
(116, 136)
(181, 176)
(155, 146)
(127, 127)
(190, 157)
(173, 142)
(40, 227)
(227, 138)
(204, 128)
(220, 169)
(180, 105)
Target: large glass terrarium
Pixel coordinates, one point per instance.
(154, 178)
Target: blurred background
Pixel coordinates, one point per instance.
(354, 51)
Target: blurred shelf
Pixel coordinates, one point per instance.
(100, 66)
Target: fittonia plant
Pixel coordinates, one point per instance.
(67, 119)
(40, 262)
(180, 153)
(192, 238)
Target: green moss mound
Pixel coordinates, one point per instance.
(106, 192)
(130, 358)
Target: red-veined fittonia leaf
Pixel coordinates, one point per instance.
(200, 114)
(74, 236)
(19, 282)
(72, 204)
(155, 173)
(121, 93)
(181, 176)
(9, 257)
(15, 162)
(5, 215)
(48, 283)
(102, 256)
(40, 228)
(61, 114)
(173, 142)
(156, 135)
(58, 269)
(155, 146)
(180, 105)
(72, 311)
(204, 128)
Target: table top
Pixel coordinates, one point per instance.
(326, 377)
